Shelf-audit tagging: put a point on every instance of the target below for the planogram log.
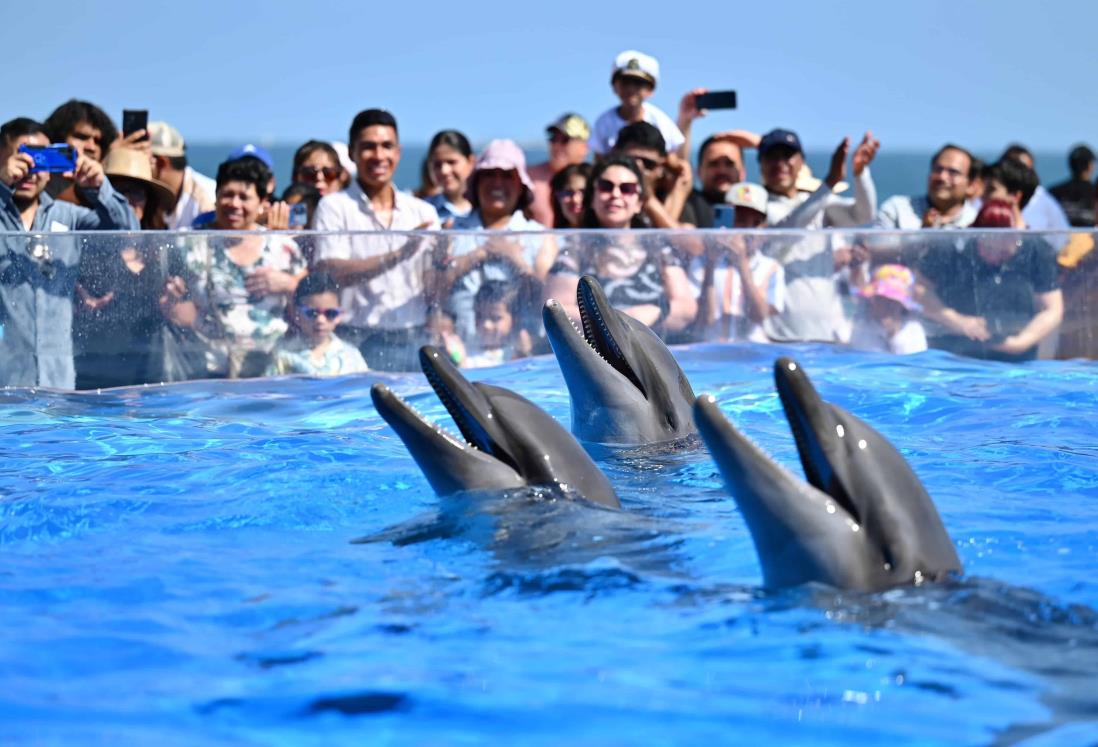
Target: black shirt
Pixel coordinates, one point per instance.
(1002, 294)
(698, 210)
(1076, 197)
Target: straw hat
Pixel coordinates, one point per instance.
(127, 163)
(806, 182)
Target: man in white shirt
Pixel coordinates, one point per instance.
(945, 204)
(813, 309)
(194, 192)
(385, 275)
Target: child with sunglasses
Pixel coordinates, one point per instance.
(312, 347)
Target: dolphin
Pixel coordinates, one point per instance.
(508, 441)
(862, 522)
(625, 385)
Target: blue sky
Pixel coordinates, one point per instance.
(980, 73)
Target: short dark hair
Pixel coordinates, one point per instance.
(314, 284)
(559, 182)
(950, 146)
(976, 169)
(451, 139)
(64, 119)
(641, 134)
(704, 147)
(497, 291)
(19, 127)
(248, 169)
(370, 118)
(310, 147)
(1016, 151)
(307, 193)
(1015, 176)
(590, 220)
(1079, 160)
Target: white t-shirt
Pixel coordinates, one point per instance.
(731, 321)
(868, 334)
(395, 298)
(905, 213)
(605, 132)
(196, 197)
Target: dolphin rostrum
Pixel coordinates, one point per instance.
(625, 385)
(508, 441)
(863, 521)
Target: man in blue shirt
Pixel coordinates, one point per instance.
(38, 271)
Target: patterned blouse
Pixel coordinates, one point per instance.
(294, 356)
(217, 285)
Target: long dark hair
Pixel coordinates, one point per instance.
(590, 220)
(560, 181)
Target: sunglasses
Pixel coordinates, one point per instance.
(627, 189)
(311, 314)
(312, 172)
(564, 194)
(646, 163)
(559, 138)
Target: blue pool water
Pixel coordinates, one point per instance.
(178, 568)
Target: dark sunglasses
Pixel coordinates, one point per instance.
(626, 188)
(559, 138)
(310, 313)
(564, 194)
(646, 163)
(312, 172)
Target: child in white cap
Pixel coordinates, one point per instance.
(633, 78)
(888, 321)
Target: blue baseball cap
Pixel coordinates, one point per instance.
(779, 138)
(254, 151)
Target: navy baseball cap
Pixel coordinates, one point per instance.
(782, 138)
(255, 152)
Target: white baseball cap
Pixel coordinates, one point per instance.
(747, 195)
(636, 64)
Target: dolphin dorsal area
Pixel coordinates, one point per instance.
(624, 384)
(861, 521)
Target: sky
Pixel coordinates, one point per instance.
(917, 74)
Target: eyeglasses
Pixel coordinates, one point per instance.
(312, 172)
(559, 138)
(646, 163)
(311, 314)
(627, 189)
(565, 194)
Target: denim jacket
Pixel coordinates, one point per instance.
(38, 274)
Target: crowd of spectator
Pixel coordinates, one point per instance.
(466, 260)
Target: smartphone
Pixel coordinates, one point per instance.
(723, 216)
(134, 120)
(55, 159)
(716, 100)
(299, 215)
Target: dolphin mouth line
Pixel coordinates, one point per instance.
(598, 336)
(471, 431)
(445, 433)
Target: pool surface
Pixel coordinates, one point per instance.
(180, 566)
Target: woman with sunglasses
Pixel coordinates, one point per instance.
(316, 164)
(641, 276)
(311, 345)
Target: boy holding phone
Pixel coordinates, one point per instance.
(40, 272)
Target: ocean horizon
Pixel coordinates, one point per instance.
(894, 172)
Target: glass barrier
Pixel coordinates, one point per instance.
(100, 309)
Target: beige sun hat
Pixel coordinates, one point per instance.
(128, 163)
(806, 182)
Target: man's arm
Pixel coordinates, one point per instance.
(1050, 313)
(108, 208)
(862, 210)
(353, 271)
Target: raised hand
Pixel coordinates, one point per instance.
(865, 152)
(837, 172)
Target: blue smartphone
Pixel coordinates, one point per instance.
(723, 216)
(299, 215)
(55, 159)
